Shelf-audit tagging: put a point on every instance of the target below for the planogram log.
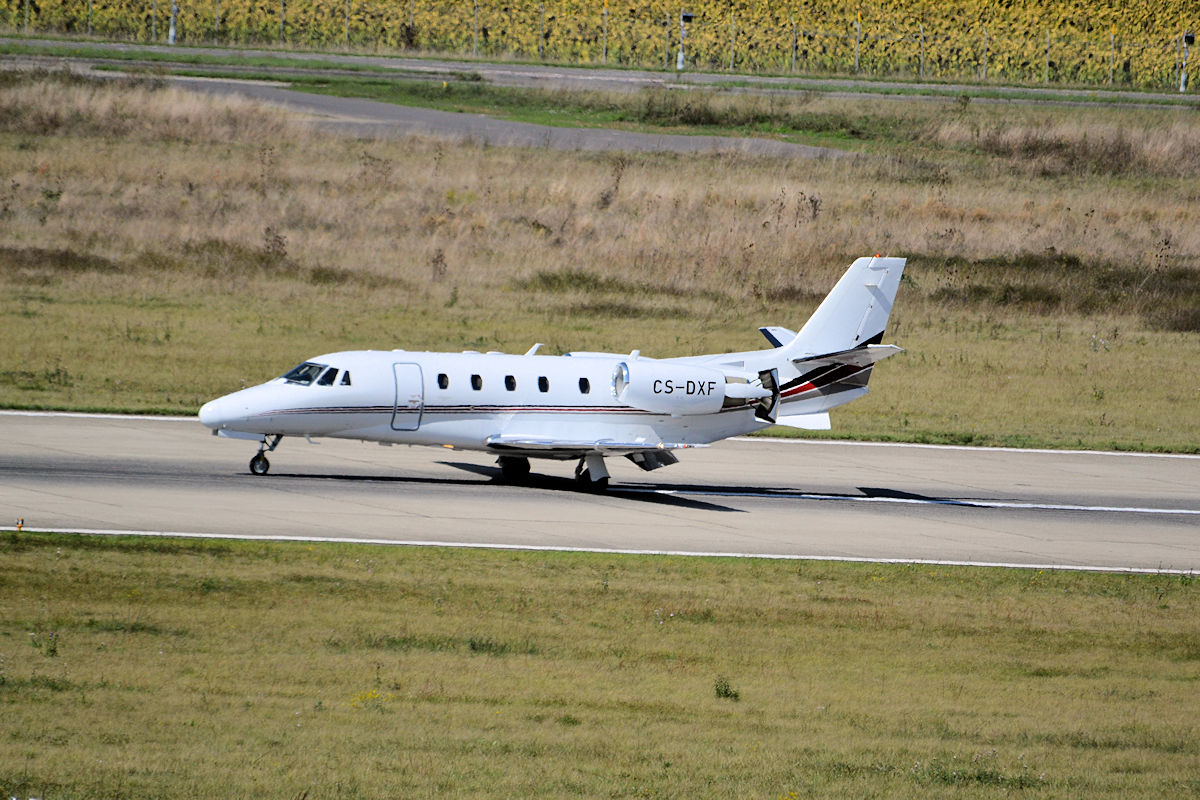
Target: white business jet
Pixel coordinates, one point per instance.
(583, 406)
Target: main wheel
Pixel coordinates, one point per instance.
(583, 479)
(259, 465)
(513, 468)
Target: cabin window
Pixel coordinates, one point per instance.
(443, 380)
(543, 384)
(510, 383)
(328, 378)
(346, 378)
(476, 382)
(584, 386)
(304, 374)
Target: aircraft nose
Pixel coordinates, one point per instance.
(223, 412)
(211, 413)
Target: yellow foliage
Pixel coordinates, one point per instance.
(1135, 42)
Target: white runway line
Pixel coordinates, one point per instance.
(916, 501)
(83, 415)
(962, 447)
(606, 551)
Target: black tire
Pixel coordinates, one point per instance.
(259, 465)
(513, 468)
(583, 480)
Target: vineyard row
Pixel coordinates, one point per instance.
(739, 37)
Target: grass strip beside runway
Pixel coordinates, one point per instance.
(174, 668)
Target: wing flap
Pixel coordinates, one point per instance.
(572, 448)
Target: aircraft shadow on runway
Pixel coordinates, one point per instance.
(678, 495)
(554, 483)
(532, 481)
(674, 493)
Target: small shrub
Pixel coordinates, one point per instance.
(724, 691)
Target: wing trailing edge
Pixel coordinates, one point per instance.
(542, 447)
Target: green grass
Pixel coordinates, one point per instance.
(163, 668)
(1073, 392)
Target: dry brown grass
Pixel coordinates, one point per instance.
(165, 171)
(1163, 144)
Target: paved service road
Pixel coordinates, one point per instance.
(371, 118)
(747, 497)
(378, 120)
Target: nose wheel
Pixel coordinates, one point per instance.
(259, 464)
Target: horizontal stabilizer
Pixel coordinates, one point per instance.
(854, 357)
(808, 422)
(776, 335)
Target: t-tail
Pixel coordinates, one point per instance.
(829, 362)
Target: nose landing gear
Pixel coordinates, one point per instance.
(259, 465)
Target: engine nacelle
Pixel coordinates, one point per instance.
(664, 387)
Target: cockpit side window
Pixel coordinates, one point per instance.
(329, 376)
(304, 374)
(346, 378)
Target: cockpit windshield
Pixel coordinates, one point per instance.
(304, 374)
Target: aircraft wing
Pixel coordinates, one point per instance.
(543, 447)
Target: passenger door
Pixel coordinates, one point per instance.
(410, 397)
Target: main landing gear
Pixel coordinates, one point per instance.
(513, 468)
(591, 475)
(259, 464)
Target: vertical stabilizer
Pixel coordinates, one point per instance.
(855, 313)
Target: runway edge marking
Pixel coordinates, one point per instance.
(908, 501)
(965, 448)
(602, 550)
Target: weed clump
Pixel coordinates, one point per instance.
(724, 691)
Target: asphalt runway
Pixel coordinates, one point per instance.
(761, 497)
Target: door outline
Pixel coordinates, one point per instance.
(407, 409)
